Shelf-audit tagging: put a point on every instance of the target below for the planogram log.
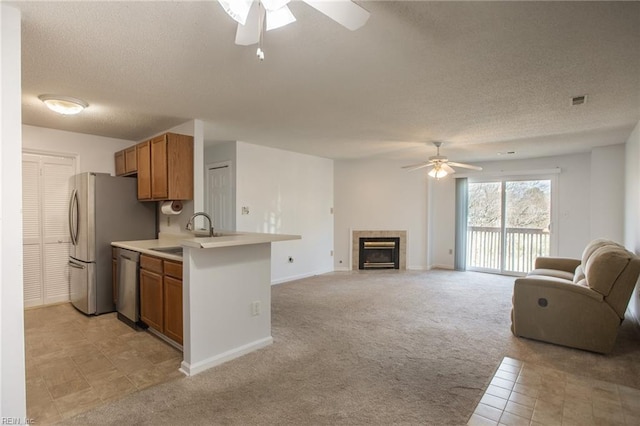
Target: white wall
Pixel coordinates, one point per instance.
(12, 364)
(287, 193)
(380, 195)
(574, 192)
(607, 192)
(442, 224)
(94, 153)
(632, 208)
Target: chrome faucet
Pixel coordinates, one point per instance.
(190, 223)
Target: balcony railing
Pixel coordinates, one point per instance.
(523, 245)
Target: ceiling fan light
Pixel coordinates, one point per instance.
(237, 9)
(437, 173)
(279, 18)
(65, 105)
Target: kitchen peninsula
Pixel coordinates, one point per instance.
(226, 293)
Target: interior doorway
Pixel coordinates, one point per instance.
(509, 224)
(219, 195)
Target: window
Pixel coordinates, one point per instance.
(508, 224)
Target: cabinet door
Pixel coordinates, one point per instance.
(143, 153)
(159, 177)
(130, 160)
(180, 166)
(151, 299)
(173, 308)
(120, 166)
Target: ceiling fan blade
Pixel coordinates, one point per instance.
(279, 18)
(249, 33)
(237, 9)
(447, 168)
(414, 165)
(344, 12)
(417, 166)
(465, 166)
(274, 4)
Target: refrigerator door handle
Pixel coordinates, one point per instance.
(73, 218)
(76, 265)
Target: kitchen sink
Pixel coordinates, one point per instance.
(177, 251)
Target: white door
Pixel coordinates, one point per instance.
(219, 201)
(46, 241)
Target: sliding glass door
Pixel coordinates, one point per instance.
(508, 225)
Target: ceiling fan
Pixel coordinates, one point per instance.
(441, 166)
(256, 16)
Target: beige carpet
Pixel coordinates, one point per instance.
(380, 347)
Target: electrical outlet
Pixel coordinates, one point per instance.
(245, 210)
(255, 308)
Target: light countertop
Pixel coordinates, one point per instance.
(222, 239)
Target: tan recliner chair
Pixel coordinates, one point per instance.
(576, 303)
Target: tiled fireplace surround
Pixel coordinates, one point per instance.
(355, 245)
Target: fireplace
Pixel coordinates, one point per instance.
(379, 253)
(385, 236)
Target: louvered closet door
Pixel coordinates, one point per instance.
(31, 231)
(46, 194)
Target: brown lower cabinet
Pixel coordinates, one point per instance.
(161, 296)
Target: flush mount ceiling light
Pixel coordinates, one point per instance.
(256, 16)
(65, 105)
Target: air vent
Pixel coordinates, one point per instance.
(579, 100)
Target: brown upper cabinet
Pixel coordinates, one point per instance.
(143, 150)
(130, 160)
(126, 162)
(164, 167)
(119, 157)
(170, 175)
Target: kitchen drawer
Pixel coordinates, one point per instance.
(173, 269)
(151, 263)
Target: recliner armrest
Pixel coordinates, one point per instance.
(559, 263)
(559, 284)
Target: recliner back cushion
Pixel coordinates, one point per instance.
(595, 245)
(605, 266)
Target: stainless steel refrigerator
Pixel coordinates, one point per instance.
(102, 209)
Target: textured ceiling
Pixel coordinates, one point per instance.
(484, 77)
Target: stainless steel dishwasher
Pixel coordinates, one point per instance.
(128, 305)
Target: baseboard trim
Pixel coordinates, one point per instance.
(441, 266)
(299, 277)
(193, 369)
(417, 268)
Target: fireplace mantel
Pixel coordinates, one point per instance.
(355, 244)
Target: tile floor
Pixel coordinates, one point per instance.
(75, 362)
(522, 393)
